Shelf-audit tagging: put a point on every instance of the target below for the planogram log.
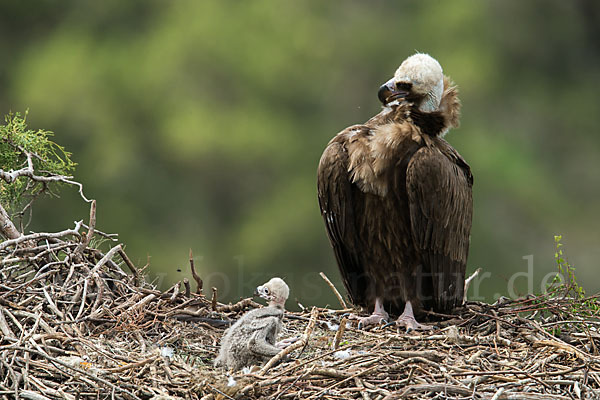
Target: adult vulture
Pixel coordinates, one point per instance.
(397, 199)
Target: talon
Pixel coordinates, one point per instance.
(373, 319)
(378, 316)
(408, 320)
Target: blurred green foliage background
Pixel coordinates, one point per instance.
(199, 124)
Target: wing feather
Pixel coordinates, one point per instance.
(439, 186)
(336, 194)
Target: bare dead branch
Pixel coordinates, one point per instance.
(186, 284)
(195, 275)
(335, 291)
(38, 236)
(108, 256)
(7, 228)
(239, 306)
(213, 301)
(88, 236)
(468, 283)
(340, 333)
(132, 268)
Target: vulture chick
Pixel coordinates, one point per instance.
(396, 199)
(251, 340)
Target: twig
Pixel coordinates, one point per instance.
(213, 302)
(186, 285)
(4, 328)
(428, 387)
(281, 393)
(218, 391)
(37, 236)
(340, 332)
(239, 306)
(78, 370)
(335, 291)
(108, 256)
(28, 394)
(132, 268)
(110, 236)
(99, 295)
(498, 394)
(7, 228)
(38, 276)
(359, 383)
(52, 305)
(427, 354)
(175, 289)
(133, 365)
(195, 275)
(83, 298)
(88, 237)
(468, 283)
(356, 375)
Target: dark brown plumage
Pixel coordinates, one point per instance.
(396, 197)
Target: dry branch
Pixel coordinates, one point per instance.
(195, 275)
(468, 283)
(335, 291)
(88, 236)
(7, 228)
(38, 236)
(132, 268)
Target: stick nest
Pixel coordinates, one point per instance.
(75, 325)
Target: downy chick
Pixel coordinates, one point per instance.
(251, 340)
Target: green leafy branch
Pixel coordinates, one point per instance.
(566, 272)
(30, 164)
(565, 300)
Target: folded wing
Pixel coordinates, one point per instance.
(439, 186)
(335, 193)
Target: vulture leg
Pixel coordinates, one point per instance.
(407, 319)
(379, 315)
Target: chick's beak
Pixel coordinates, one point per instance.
(262, 292)
(388, 92)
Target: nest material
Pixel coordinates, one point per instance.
(75, 325)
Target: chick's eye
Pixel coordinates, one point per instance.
(266, 291)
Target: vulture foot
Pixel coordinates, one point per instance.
(407, 319)
(373, 319)
(411, 324)
(379, 315)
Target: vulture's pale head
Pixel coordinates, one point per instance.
(419, 79)
(276, 292)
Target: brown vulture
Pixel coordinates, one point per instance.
(397, 199)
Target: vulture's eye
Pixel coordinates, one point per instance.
(404, 86)
(266, 291)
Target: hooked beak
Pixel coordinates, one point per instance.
(389, 92)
